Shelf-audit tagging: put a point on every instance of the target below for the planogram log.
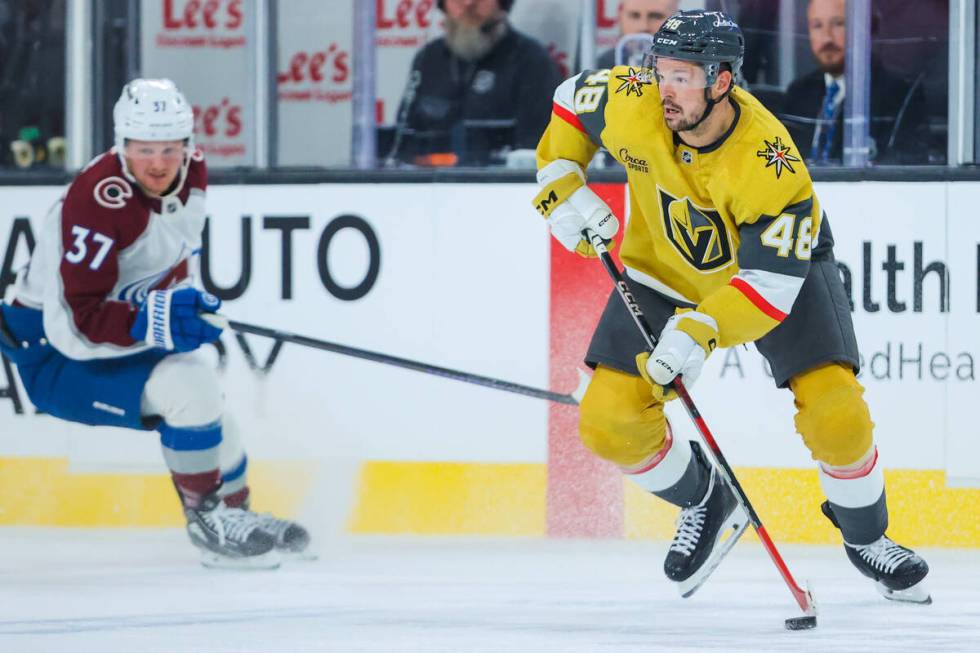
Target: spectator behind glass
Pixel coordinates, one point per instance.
(813, 110)
(32, 83)
(476, 93)
(638, 17)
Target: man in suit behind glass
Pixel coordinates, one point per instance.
(814, 107)
(638, 17)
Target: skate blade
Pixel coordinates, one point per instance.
(734, 527)
(297, 556)
(269, 560)
(915, 594)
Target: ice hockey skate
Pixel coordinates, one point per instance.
(898, 572)
(705, 533)
(292, 541)
(230, 538)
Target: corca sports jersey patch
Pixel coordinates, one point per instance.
(633, 162)
(777, 154)
(634, 81)
(697, 233)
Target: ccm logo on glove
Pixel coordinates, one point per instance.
(571, 207)
(545, 204)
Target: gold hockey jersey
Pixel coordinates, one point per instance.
(728, 228)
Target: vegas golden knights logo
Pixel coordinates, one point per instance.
(698, 234)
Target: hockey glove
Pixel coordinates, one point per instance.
(570, 206)
(169, 319)
(684, 344)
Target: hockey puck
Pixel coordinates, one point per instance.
(801, 623)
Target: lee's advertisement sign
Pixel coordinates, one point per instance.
(314, 82)
(207, 47)
(315, 65)
(606, 23)
(202, 24)
(402, 28)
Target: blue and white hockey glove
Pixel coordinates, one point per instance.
(169, 319)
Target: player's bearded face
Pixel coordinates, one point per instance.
(155, 164)
(681, 85)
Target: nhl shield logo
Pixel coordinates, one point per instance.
(698, 234)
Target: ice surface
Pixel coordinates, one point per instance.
(126, 590)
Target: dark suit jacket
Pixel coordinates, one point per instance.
(606, 60)
(898, 117)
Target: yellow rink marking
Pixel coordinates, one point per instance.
(451, 498)
(45, 492)
(446, 498)
(922, 510)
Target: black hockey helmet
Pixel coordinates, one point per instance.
(710, 38)
(504, 4)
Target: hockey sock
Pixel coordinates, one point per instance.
(192, 456)
(234, 485)
(677, 474)
(856, 494)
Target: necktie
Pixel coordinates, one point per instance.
(826, 125)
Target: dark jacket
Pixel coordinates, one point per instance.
(898, 117)
(606, 60)
(476, 109)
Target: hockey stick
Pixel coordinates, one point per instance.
(571, 398)
(803, 596)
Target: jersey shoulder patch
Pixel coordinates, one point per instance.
(102, 198)
(764, 171)
(767, 141)
(630, 81)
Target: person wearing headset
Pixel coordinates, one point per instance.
(477, 92)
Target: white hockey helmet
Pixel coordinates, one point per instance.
(152, 110)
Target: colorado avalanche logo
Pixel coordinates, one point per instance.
(136, 292)
(112, 192)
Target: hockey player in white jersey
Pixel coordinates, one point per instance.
(105, 325)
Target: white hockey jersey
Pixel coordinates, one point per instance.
(103, 246)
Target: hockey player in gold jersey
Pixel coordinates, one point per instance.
(726, 244)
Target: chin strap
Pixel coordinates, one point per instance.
(181, 176)
(711, 105)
